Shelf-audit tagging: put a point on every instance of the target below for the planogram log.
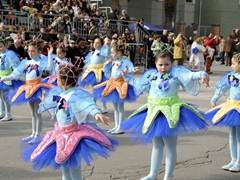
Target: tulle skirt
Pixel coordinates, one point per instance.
(232, 118)
(189, 122)
(15, 84)
(114, 96)
(21, 99)
(90, 80)
(86, 151)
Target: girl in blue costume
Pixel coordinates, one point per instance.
(72, 141)
(8, 60)
(227, 114)
(94, 61)
(164, 116)
(116, 90)
(31, 70)
(55, 62)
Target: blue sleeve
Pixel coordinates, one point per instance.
(17, 72)
(44, 63)
(107, 68)
(14, 59)
(189, 80)
(82, 105)
(105, 52)
(222, 88)
(128, 63)
(143, 84)
(87, 60)
(50, 62)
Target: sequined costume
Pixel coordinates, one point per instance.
(93, 73)
(9, 60)
(115, 89)
(72, 141)
(227, 113)
(164, 115)
(31, 70)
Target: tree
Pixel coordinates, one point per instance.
(169, 7)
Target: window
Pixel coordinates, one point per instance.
(190, 1)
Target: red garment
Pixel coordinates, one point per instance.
(211, 42)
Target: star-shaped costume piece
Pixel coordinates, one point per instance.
(114, 84)
(30, 88)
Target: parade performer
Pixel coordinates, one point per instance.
(8, 60)
(164, 116)
(94, 61)
(227, 114)
(31, 70)
(55, 62)
(116, 90)
(73, 140)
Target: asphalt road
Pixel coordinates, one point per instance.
(200, 155)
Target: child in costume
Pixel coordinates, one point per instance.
(164, 116)
(8, 60)
(116, 90)
(227, 114)
(72, 141)
(55, 62)
(31, 70)
(94, 61)
(196, 61)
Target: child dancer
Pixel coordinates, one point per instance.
(29, 92)
(54, 63)
(165, 115)
(116, 90)
(72, 141)
(94, 61)
(8, 60)
(227, 114)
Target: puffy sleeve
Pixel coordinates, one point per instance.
(48, 104)
(142, 84)
(107, 69)
(82, 105)
(128, 63)
(189, 80)
(14, 59)
(105, 52)
(18, 71)
(88, 59)
(44, 63)
(222, 88)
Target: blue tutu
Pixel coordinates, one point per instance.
(114, 96)
(15, 84)
(232, 118)
(189, 122)
(90, 80)
(86, 151)
(22, 99)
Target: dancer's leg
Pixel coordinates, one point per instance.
(236, 166)
(2, 112)
(232, 147)
(38, 123)
(66, 174)
(6, 106)
(121, 116)
(156, 158)
(171, 156)
(76, 174)
(116, 117)
(31, 105)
